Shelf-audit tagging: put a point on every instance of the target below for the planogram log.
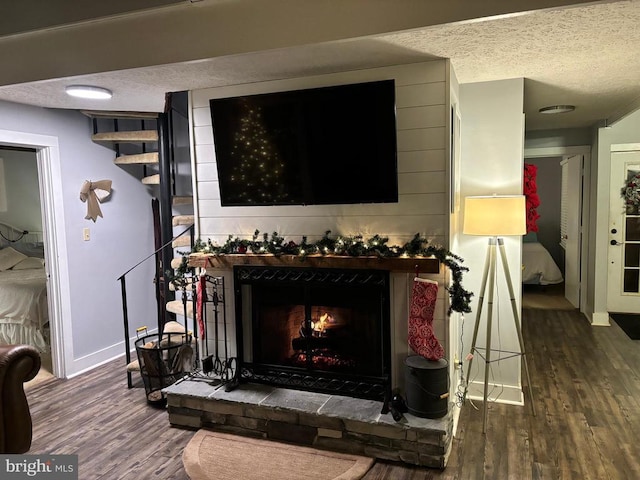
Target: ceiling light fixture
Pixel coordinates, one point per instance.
(557, 109)
(88, 91)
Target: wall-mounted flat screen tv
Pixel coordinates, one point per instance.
(320, 146)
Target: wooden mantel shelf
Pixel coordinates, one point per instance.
(396, 264)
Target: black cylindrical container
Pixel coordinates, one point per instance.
(427, 386)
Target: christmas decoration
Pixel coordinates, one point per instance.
(422, 339)
(532, 199)
(353, 246)
(631, 194)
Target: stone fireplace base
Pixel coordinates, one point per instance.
(325, 421)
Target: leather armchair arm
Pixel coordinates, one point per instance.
(18, 364)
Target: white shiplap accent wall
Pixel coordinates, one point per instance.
(422, 109)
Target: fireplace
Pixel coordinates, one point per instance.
(316, 329)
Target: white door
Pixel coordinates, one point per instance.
(623, 281)
(570, 225)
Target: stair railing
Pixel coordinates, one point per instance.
(123, 290)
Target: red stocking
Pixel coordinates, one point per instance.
(422, 340)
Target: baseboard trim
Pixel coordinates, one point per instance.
(600, 319)
(498, 393)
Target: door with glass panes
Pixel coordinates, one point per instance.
(623, 285)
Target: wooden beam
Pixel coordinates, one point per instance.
(396, 264)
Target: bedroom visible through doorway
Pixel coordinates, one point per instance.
(567, 208)
(49, 184)
(25, 283)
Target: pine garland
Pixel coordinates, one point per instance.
(353, 246)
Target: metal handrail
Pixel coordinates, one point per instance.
(191, 228)
(123, 289)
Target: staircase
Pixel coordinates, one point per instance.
(144, 146)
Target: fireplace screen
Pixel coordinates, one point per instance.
(315, 329)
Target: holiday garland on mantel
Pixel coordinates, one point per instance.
(352, 246)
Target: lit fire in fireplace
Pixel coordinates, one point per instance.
(323, 359)
(321, 344)
(319, 327)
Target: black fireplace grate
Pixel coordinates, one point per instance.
(310, 288)
(369, 388)
(311, 276)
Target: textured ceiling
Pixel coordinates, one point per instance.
(588, 56)
(585, 56)
(30, 15)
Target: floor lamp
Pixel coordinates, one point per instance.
(495, 217)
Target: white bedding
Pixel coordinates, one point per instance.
(23, 307)
(538, 265)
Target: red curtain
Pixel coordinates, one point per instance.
(530, 190)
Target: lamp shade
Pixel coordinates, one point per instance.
(495, 215)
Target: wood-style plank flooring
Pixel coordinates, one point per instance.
(586, 383)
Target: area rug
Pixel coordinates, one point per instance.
(629, 323)
(220, 456)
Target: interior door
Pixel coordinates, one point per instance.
(623, 285)
(570, 225)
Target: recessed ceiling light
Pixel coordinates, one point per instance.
(88, 91)
(557, 109)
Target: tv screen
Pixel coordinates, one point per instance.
(321, 146)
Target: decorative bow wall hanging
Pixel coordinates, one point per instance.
(93, 193)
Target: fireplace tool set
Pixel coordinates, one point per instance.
(209, 300)
(212, 293)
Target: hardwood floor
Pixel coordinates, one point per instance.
(586, 383)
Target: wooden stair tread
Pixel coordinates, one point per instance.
(134, 366)
(132, 136)
(183, 241)
(119, 114)
(139, 158)
(183, 220)
(182, 200)
(176, 307)
(176, 262)
(152, 179)
(189, 281)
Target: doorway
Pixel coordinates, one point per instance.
(48, 165)
(623, 272)
(572, 261)
(20, 208)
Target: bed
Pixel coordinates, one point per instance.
(23, 290)
(538, 267)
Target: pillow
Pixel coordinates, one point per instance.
(28, 263)
(9, 258)
(531, 237)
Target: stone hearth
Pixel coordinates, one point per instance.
(325, 421)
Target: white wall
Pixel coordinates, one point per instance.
(21, 190)
(563, 137)
(492, 162)
(91, 306)
(626, 130)
(422, 112)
